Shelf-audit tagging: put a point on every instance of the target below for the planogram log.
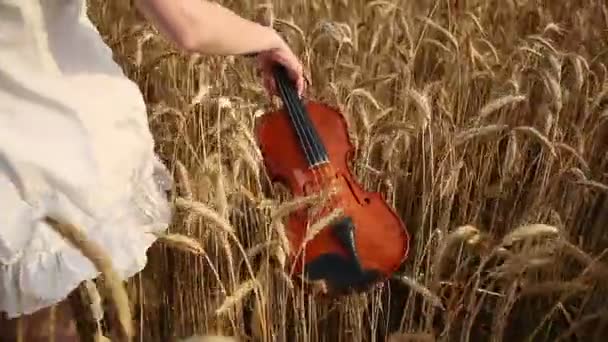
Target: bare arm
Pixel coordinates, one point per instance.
(205, 27)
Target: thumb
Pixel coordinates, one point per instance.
(269, 84)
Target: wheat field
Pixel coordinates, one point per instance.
(483, 123)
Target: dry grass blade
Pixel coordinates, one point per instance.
(450, 185)
(262, 247)
(237, 296)
(446, 244)
(555, 89)
(543, 42)
(362, 93)
(549, 287)
(209, 338)
(477, 132)
(316, 227)
(592, 265)
(417, 337)
(452, 39)
(511, 156)
(184, 180)
(537, 135)
(279, 228)
(424, 107)
(594, 185)
(181, 242)
(499, 103)
(376, 80)
(297, 203)
(529, 231)
(292, 26)
(574, 153)
(394, 126)
(321, 224)
(103, 263)
(437, 44)
(422, 290)
(206, 212)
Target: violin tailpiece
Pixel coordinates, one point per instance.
(344, 231)
(340, 273)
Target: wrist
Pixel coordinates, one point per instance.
(276, 42)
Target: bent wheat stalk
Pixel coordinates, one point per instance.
(114, 286)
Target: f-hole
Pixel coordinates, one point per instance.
(352, 190)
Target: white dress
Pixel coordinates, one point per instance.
(74, 144)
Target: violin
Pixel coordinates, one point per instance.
(305, 146)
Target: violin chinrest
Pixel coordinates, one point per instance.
(340, 274)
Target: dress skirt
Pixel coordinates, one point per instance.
(75, 145)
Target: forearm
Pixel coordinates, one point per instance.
(207, 28)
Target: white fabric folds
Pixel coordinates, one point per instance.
(74, 144)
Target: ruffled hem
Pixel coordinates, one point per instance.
(78, 139)
(49, 268)
(45, 279)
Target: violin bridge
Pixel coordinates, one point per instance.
(318, 164)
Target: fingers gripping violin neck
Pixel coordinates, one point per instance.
(306, 147)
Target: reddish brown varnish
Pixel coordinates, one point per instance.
(381, 239)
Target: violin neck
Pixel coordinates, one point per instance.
(312, 145)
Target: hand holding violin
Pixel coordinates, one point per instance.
(284, 56)
(206, 27)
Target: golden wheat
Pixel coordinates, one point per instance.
(115, 288)
(420, 83)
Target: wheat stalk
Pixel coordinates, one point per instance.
(103, 263)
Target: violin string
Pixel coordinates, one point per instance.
(326, 171)
(329, 174)
(310, 140)
(323, 169)
(298, 113)
(317, 149)
(320, 146)
(304, 142)
(292, 110)
(322, 153)
(299, 120)
(319, 171)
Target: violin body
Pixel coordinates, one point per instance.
(368, 242)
